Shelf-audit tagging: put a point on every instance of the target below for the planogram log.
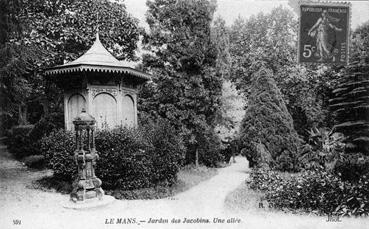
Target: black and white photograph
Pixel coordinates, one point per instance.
(184, 114)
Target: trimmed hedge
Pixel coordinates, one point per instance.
(129, 158)
(313, 191)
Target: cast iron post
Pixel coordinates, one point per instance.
(87, 186)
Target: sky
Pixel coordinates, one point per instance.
(229, 10)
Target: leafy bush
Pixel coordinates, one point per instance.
(129, 158)
(166, 150)
(287, 161)
(326, 151)
(352, 167)
(58, 148)
(45, 125)
(6, 122)
(209, 149)
(25, 140)
(325, 148)
(313, 191)
(19, 142)
(122, 160)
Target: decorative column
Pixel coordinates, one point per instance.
(87, 186)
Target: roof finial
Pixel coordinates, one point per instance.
(97, 27)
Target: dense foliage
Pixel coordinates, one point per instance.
(313, 191)
(25, 140)
(232, 101)
(43, 33)
(360, 44)
(271, 38)
(186, 87)
(19, 142)
(323, 150)
(129, 158)
(267, 134)
(332, 181)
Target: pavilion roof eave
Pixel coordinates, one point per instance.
(83, 67)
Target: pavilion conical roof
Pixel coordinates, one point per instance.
(97, 54)
(97, 59)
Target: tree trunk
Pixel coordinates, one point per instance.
(22, 114)
(197, 158)
(45, 107)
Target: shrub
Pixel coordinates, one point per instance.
(124, 162)
(45, 125)
(6, 122)
(129, 158)
(209, 149)
(313, 191)
(58, 148)
(19, 142)
(287, 161)
(327, 151)
(352, 167)
(167, 150)
(25, 140)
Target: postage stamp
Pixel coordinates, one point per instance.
(324, 33)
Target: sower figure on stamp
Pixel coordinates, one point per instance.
(321, 32)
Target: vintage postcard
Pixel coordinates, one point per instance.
(184, 114)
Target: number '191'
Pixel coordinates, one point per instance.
(17, 222)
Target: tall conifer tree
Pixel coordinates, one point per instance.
(267, 132)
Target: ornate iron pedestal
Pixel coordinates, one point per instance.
(87, 186)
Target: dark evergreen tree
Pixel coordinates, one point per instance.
(350, 104)
(186, 88)
(267, 134)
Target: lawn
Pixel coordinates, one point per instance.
(243, 199)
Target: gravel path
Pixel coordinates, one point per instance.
(37, 209)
